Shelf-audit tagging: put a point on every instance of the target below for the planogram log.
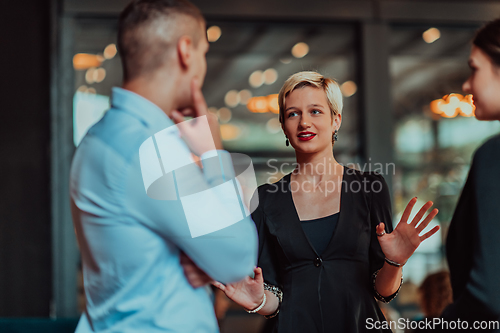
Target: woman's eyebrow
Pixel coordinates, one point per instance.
(310, 105)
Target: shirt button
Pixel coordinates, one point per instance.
(317, 262)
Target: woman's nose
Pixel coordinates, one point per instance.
(305, 123)
(466, 86)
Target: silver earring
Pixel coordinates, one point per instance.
(335, 137)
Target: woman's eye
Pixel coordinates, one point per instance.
(291, 114)
(316, 111)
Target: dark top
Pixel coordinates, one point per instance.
(473, 243)
(319, 231)
(332, 292)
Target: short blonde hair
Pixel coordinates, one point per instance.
(315, 80)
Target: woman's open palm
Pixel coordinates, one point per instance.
(248, 292)
(400, 244)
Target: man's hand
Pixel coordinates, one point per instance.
(195, 276)
(199, 138)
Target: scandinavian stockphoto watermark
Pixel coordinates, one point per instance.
(167, 172)
(431, 324)
(326, 168)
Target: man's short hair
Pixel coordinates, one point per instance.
(148, 29)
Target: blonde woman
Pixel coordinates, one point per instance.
(326, 249)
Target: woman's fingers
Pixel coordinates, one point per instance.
(380, 228)
(427, 220)
(429, 233)
(259, 278)
(219, 285)
(421, 213)
(407, 212)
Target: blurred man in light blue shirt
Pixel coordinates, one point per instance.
(131, 242)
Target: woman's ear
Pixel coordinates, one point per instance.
(184, 51)
(337, 120)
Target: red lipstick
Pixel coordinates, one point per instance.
(306, 136)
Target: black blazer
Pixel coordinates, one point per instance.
(473, 244)
(332, 292)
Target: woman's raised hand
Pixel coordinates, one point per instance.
(249, 292)
(400, 244)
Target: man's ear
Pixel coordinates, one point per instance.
(184, 51)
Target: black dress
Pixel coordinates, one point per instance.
(473, 243)
(332, 292)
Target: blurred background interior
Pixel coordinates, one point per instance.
(394, 59)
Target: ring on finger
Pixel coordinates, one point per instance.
(381, 234)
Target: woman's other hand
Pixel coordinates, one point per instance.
(249, 292)
(195, 276)
(400, 244)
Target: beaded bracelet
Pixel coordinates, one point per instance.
(380, 297)
(259, 307)
(278, 293)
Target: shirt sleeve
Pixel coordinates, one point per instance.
(198, 214)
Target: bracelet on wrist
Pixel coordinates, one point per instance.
(276, 292)
(393, 263)
(257, 309)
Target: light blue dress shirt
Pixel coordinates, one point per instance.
(130, 243)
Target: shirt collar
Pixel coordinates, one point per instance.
(145, 110)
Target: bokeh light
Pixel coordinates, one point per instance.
(232, 98)
(348, 88)
(110, 51)
(213, 33)
(270, 76)
(224, 115)
(82, 61)
(273, 125)
(300, 50)
(245, 96)
(229, 132)
(431, 35)
(256, 79)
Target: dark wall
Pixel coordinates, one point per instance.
(25, 243)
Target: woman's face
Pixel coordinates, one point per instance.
(484, 85)
(308, 123)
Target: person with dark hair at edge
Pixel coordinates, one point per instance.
(434, 294)
(473, 242)
(139, 253)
